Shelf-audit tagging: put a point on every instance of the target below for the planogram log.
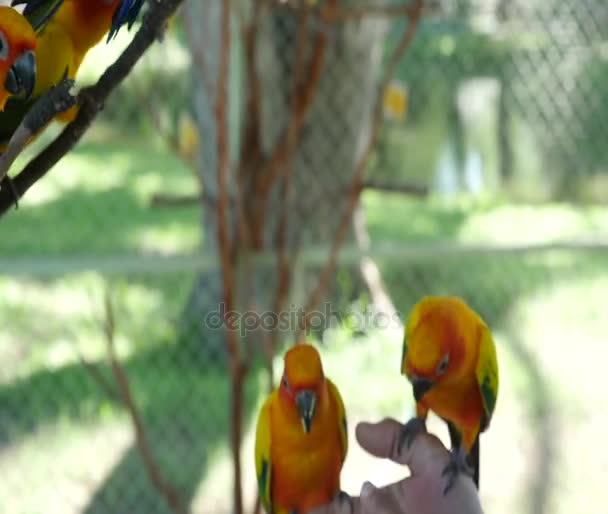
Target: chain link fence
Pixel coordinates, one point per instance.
(494, 96)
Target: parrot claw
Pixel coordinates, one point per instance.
(7, 182)
(408, 433)
(345, 499)
(458, 464)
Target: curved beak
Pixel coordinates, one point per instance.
(421, 387)
(306, 401)
(21, 77)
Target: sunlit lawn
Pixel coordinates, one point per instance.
(62, 439)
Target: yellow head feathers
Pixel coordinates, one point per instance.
(303, 366)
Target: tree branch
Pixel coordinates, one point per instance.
(57, 100)
(91, 101)
(105, 385)
(396, 187)
(238, 368)
(162, 486)
(400, 188)
(357, 183)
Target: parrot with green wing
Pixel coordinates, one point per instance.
(301, 438)
(66, 31)
(449, 357)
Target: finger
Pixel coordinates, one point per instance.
(381, 440)
(378, 438)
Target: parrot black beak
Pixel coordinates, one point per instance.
(21, 77)
(306, 401)
(420, 387)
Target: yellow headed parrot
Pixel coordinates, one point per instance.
(67, 30)
(301, 438)
(449, 357)
(17, 61)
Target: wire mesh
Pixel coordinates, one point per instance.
(493, 96)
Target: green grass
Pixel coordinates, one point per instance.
(545, 308)
(97, 202)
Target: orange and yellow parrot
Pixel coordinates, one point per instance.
(67, 30)
(17, 61)
(301, 438)
(449, 357)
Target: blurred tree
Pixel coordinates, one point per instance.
(281, 164)
(294, 147)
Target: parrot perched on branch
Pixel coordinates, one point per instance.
(40, 12)
(17, 60)
(301, 438)
(67, 30)
(449, 357)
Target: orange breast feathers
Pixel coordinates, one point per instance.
(460, 404)
(443, 328)
(306, 466)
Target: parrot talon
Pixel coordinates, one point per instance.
(408, 433)
(458, 464)
(7, 182)
(345, 498)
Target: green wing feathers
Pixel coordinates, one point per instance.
(487, 375)
(262, 456)
(343, 428)
(39, 12)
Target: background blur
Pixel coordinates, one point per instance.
(496, 125)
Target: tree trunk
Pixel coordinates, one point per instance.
(320, 164)
(329, 143)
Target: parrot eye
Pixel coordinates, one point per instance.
(443, 364)
(3, 47)
(285, 384)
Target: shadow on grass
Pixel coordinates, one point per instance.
(183, 401)
(101, 215)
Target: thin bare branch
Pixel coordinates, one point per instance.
(168, 200)
(105, 385)
(395, 187)
(360, 168)
(159, 482)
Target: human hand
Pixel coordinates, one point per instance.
(420, 493)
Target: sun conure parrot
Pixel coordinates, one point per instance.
(301, 438)
(67, 30)
(449, 357)
(17, 61)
